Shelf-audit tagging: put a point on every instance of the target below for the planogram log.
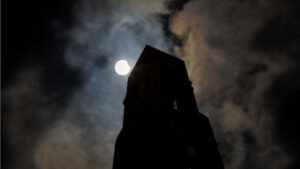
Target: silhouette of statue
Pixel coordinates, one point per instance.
(162, 128)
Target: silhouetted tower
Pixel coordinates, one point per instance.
(162, 128)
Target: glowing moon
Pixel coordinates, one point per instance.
(122, 68)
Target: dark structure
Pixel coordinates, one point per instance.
(162, 128)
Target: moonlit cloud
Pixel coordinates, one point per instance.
(105, 32)
(231, 78)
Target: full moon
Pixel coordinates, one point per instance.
(122, 68)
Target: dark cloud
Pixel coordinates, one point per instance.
(280, 34)
(37, 81)
(280, 37)
(284, 98)
(33, 31)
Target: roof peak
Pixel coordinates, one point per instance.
(156, 54)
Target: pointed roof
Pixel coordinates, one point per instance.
(151, 55)
(154, 58)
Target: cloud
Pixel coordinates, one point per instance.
(65, 146)
(115, 29)
(228, 49)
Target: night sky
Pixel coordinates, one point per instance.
(61, 100)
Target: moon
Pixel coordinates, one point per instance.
(122, 68)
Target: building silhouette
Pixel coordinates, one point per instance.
(162, 128)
